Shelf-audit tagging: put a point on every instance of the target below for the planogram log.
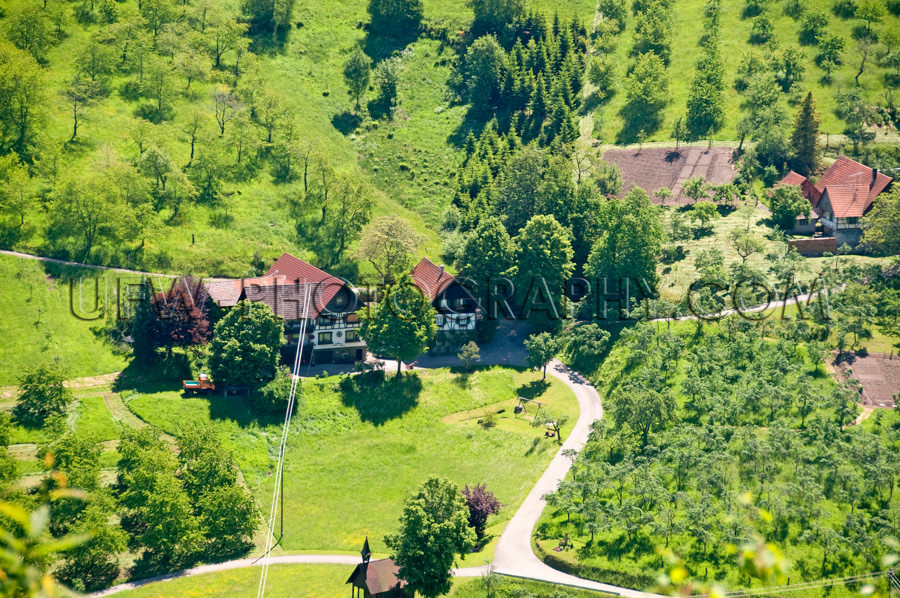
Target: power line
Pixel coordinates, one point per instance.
(278, 491)
(819, 583)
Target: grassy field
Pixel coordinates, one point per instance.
(687, 27)
(38, 325)
(318, 581)
(353, 456)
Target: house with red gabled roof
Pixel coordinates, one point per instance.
(840, 197)
(457, 309)
(299, 292)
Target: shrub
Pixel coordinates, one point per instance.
(41, 395)
(273, 397)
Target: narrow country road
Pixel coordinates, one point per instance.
(513, 555)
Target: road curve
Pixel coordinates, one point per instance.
(513, 555)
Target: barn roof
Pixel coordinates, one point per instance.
(380, 576)
(849, 201)
(792, 178)
(431, 278)
(847, 172)
(283, 288)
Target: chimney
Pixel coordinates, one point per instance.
(874, 177)
(441, 275)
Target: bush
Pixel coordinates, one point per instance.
(395, 17)
(273, 397)
(41, 395)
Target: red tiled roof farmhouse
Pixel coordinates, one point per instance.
(845, 171)
(793, 178)
(849, 201)
(431, 278)
(283, 288)
(851, 187)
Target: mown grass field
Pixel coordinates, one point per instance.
(353, 456)
(316, 581)
(38, 326)
(688, 26)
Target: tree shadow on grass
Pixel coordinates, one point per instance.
(533, 389)
(165, 375)
(346, 122)
(378, 402)
(379, 46)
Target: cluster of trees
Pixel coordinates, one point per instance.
(154, 55)
(694, 422)
(705, 107)
(172, 508)
(438, 524)
(647, 83)
(178, 509)
(533, 87)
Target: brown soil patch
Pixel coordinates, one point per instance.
(656, 167)
(879, 375)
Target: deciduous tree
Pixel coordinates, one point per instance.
(434, 530)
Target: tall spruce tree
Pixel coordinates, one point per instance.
(805, 138)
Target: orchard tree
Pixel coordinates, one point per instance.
(696, 188)
(352, 209)
(88, 211)
(357, 72)
(401, 325)
(17, 192)
(22, 93)
(41, 395)
(745, 243)
(434, 530)
(29, 28)
(643, 407)
(541, 349)
(870, 11)
(245, 346)
(80, 93)
(880, 231)
(389, 243)
(704, 212)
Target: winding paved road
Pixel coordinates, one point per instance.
(513, 555)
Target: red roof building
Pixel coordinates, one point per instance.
(842, 196)
(298, 291)
(457, 309)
